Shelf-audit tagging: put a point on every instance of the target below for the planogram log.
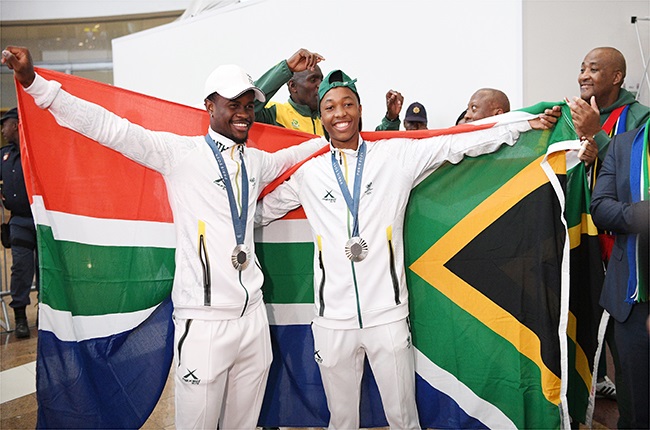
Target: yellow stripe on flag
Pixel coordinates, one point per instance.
(431, 267)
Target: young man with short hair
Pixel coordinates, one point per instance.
(355, 199)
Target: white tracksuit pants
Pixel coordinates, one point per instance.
(340, 356)
(221, 371)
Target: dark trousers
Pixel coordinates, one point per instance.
(633, 345)
(24, 265)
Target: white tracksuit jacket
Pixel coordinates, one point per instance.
(373, 291)
(195, 194)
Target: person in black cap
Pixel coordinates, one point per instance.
(355, 198)
(22, 234)
(416, 117)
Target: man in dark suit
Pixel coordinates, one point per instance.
(620, 204)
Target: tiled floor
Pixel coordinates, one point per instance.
(17, 356)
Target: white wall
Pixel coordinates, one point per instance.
(558, 35)
(435, 52)
(32, 10)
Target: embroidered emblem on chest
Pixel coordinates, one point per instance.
(369, 189)
(329, 197)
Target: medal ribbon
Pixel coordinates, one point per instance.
(238, 221)
(352, 202)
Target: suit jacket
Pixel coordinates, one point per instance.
(612, 209)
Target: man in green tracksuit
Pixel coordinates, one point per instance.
(300, 112)
(604, 108)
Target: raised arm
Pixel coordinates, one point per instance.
(149, 148)
(280, 74)
(426, 155)
(394, 102)
(20, 61)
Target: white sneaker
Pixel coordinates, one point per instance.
(606, 389)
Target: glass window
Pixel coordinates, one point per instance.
(79, 47)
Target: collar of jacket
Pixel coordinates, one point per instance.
(303, 110)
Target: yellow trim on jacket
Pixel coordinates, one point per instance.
(289, 118)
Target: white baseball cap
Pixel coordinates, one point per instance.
(231, 81)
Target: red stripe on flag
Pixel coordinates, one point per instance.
(78, 176)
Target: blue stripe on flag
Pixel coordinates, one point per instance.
(111, 382)
(437, 410)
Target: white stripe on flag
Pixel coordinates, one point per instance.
(77, 328)
(468, 401)
(506, 118)
(285, 231)
(104, 231)
(290, 314)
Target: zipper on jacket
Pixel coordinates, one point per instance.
(356, 292)
(393, 272)
(247, 297)
(188, 323)
(205, 264)
(321, 288)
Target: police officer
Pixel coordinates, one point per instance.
(21, 224)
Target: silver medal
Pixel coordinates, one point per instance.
(356, 249)
(240, 257)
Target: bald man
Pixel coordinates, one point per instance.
(603, 110)
(602, 101)
(486, 102)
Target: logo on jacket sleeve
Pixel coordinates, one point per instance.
(317, 357)
(329, 197)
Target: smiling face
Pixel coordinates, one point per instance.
(601, 75)
(340, 113)
(232, 118)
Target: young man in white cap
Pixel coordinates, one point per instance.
(360, 293)
(222, 346)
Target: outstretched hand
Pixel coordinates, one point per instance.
(304, 60)
(394, 102)
(20, 61)
(546, 120)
